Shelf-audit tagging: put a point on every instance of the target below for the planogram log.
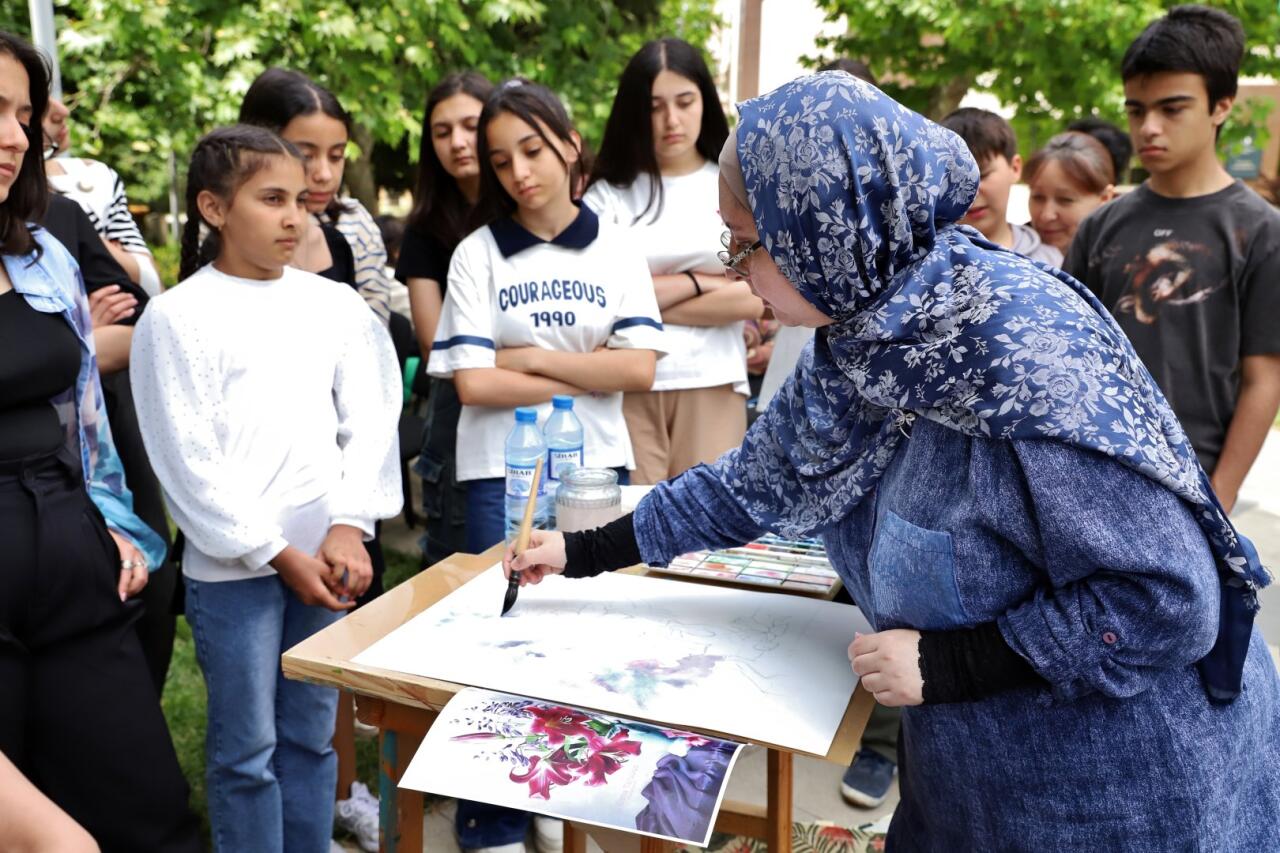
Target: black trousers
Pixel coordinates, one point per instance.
(78, 712)
(444, 499)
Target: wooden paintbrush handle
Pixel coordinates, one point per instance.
(526, 524)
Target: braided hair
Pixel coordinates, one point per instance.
(223, 160)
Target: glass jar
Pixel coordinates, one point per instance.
(588, 498)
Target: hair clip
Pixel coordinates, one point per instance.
(513, 83)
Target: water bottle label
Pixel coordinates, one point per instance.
(520, 478)
(564, 460)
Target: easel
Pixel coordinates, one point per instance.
(403, 707)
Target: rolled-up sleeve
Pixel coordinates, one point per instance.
(1132, 587)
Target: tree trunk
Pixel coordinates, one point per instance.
(359, 174)
(946, 98)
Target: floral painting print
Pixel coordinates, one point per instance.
(575, 764)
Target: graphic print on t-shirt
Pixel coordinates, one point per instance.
(1195, 285)
(1169, 275)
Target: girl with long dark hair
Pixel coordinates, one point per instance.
(656, 175)
(447, 190)
(543, 300)
(79, 715)
(311, 117)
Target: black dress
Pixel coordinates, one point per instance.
(78, 713)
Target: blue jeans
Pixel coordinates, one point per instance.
(270, 769)
(487, 509)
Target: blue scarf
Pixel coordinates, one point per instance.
(856, 199)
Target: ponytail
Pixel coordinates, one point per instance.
(222, 161)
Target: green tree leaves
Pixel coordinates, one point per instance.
(1054, 60)
(144, 75)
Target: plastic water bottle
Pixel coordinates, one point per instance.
(563, 435)
(524, 448)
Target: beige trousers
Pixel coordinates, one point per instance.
(671, 431)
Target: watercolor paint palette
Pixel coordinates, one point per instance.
(792, 565)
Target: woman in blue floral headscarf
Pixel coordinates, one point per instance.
(1060, 602)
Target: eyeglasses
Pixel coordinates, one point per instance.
(734, 260)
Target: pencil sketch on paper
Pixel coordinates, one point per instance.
(575, 764)
(720, 659)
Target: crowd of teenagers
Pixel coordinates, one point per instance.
(1019, 442)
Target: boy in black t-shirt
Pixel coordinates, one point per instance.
(1189, 262)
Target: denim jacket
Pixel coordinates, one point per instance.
(1103, 581)
(52, 284)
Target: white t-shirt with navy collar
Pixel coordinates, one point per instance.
(683, 237)
(588, 287)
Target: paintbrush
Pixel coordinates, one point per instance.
(522, 538)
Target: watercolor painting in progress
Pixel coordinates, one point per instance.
(574, 764)
(758, 666)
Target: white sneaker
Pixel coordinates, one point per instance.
(358, 815)
(548, 834)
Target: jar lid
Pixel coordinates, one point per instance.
(588, 478)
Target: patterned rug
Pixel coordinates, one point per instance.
(813, 837)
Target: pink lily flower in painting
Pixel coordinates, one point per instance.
(558, 722)
(607, 757)
(543, 773)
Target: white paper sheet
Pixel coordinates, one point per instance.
(754, 665)
(573, 764)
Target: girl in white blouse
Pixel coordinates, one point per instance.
(269, 400)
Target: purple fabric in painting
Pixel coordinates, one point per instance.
(684, 791)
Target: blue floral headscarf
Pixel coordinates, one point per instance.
(856, 199)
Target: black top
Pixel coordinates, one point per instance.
(964, 665)
(424, 257)
(39, 359)
(344, 262)
(1195, 284)
(71, 226)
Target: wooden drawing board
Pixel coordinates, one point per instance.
(326, 657)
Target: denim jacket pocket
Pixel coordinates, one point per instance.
(913, 578)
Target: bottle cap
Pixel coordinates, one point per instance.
(562, 401)
(526, 416)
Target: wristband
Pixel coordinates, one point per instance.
(697, 288)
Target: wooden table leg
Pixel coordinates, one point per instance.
(781, 786)
(344, 743)
(400, 809)
(575, 839)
